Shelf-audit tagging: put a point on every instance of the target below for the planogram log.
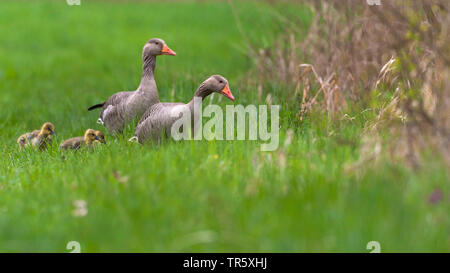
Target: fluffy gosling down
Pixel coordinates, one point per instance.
(88, 140)
(101, 137)
(38, 138)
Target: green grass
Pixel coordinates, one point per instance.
(57, 60)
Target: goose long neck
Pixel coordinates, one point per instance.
(202, 92)
(148, 83)
(148, 65)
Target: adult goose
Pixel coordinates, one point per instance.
(76, 143)
(159, 118)
(123, 107)
(38, 138)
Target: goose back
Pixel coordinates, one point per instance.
(157, 121)
(73, 143)
(115, 100)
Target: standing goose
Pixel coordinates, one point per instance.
(38, 138)
(159, 117)
(76, 143)
(123, 107)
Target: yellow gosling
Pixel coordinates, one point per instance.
(38, 138)
(101, 138)
(77, 142)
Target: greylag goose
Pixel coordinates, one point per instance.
(77, 142)
(38, 138)
(123, 107)
(159, 118)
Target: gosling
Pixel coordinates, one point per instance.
(101, 138)
(76, 143)
(38, 138)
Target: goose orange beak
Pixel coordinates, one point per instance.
(167, 51)
(226, 91)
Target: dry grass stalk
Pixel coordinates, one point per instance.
(398, 51)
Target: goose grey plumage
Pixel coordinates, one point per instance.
(159, 118)
(123, 107)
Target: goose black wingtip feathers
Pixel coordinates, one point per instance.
(95, 106)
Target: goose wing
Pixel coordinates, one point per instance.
(158, 110)
(72, 143)
(158, 120)
(114, 100)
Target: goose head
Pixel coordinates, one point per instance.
(157, 46)
(47, 129)
(218, 84)
(90, 137)
(101, 137)
(22, 141)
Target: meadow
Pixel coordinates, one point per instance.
(190, 196)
